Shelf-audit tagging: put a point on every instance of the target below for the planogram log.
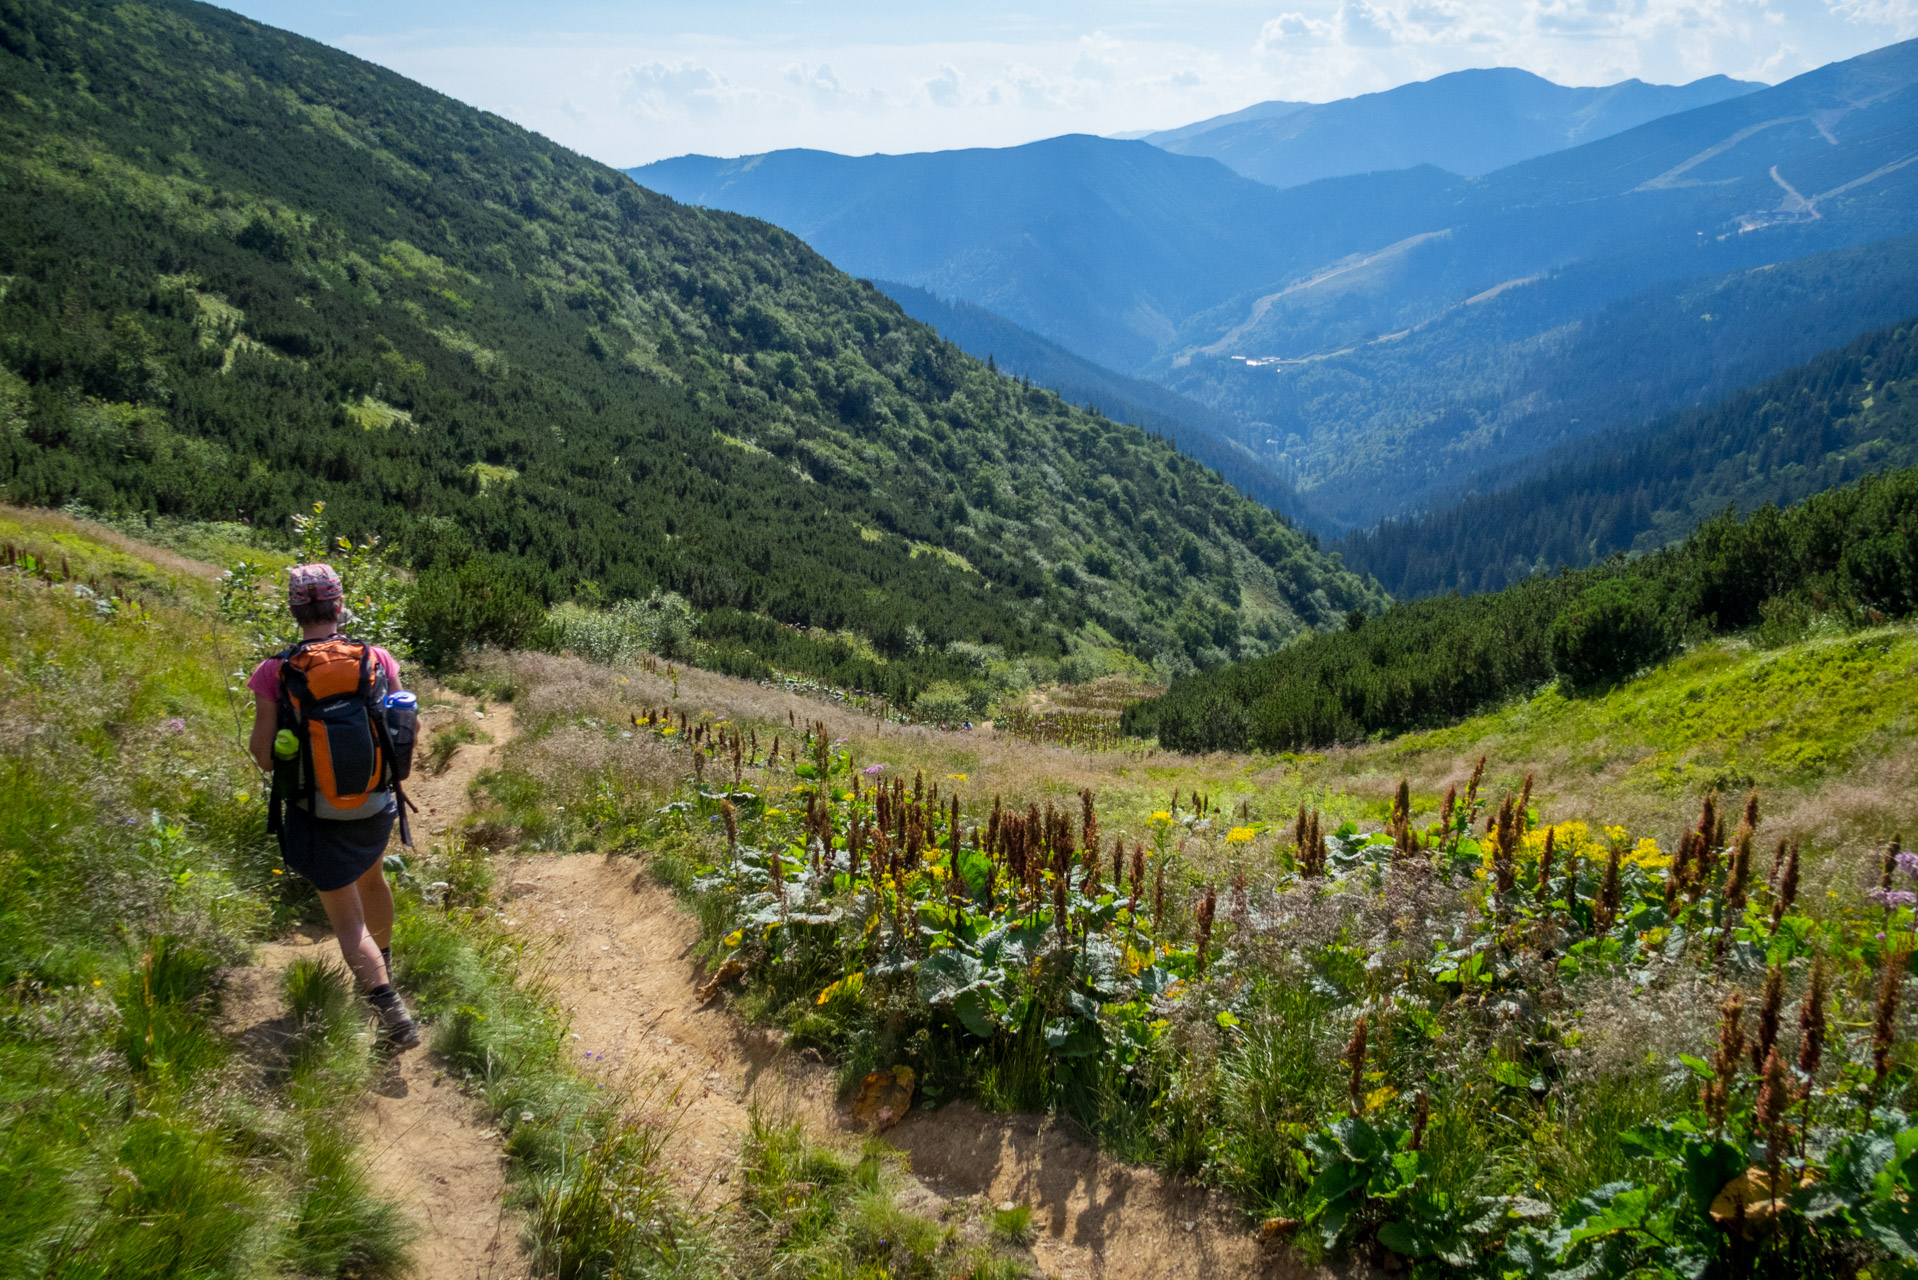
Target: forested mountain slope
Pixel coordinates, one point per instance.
(1467, 122)
(1402, 422)
(1846, 414)
(1199, 432)
(1842, 559)
(245, 271)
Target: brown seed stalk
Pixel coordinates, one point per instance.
(1355, 1067)
(1787, 888)
(1605, 909)
(1725, 1065)
(1768, 1011)
(1504, 852)
(1885, 1015)
(1545, 868)
(1811, 1028)
(1774, 1100)
(1208, 905)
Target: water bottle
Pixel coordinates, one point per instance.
(402, 729)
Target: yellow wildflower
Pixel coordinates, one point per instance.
(957, 777)
(1646, 853)
(1161, 816)
(734, 938)
(1240, 835)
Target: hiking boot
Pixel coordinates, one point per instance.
(396, 1024)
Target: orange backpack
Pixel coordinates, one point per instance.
(333, 696)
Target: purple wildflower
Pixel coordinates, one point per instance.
(1894, 897)
(176, 726)
(1908, 863)
(871, 769)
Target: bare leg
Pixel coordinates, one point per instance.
(376, 900)
(357, 947)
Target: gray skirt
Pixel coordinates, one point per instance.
(333, 854)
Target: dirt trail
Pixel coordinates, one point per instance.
(619, 959)
(428, 1145)
(621, 962)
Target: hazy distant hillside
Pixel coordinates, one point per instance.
(1550, 299)
(1104, 247)
(1847, 414)
(1381, 337)
(1468, 122)
(1385, 427)
(1198, 431)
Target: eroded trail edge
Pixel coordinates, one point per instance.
(622, 964)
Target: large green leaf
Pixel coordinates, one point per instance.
(975, 1011)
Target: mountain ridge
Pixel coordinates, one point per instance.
(544, 381)
(1467, 122)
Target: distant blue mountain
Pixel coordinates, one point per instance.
(1468, 122)
(1819, 162)
(1378, 336)
(1105, 247)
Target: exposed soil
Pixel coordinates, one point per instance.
(621, 962)
(428, 1146)
(618, 957)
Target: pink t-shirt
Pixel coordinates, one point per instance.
(265, 679)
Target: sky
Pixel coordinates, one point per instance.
(631, 83)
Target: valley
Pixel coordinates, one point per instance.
(1641, 221)
(1326, 692)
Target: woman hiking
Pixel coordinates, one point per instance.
(320, 728)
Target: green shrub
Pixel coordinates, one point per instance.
(1610, 631)
(480, 602)
(943, 702)
(662, 624)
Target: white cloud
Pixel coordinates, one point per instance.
(1898, 16)
(944, 89)
(1291, 29)
(814, 76)
(1362, 26)
(680, 90)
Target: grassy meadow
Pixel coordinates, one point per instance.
(1503, 1028)
(1544, 1022)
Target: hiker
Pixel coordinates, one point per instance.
(320, 727)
